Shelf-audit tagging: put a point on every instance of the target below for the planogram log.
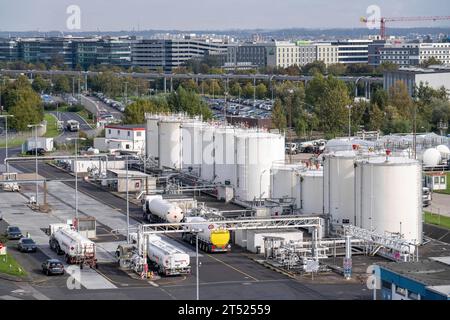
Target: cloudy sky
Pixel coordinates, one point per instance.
(115, 15)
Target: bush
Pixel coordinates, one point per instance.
(75, 108)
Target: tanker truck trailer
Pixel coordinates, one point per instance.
(211, 238)
(157, 209)
(166, 258)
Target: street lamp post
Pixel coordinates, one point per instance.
(76, 177)
(196, 231)
(35, 126)
(6, 135)
(128, 201)
(349, 107)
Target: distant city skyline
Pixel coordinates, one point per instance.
(114, 15)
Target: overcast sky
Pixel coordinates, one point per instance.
(116, 15)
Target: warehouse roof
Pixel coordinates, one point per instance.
(432, 272)
(131, 173)
(133, 127)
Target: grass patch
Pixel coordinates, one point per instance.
(436, 219)
(9, 265)
(52, 127)
(13, 142)
(446, 191)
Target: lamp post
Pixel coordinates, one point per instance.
(6, 134)
(291, 91)
(35, 126)
(197, 275)
(76, 177)
(128, 201)
(349, 107)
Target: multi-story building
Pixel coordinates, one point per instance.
(373, 56)
(440, 51)
(8, 50)
(327, 53)
(123, 138)
(405, 54)
(46, 50)
(172, 53)
(353, 51)
(246, 54)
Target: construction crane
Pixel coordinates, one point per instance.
(383, 21)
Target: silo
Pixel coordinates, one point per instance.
(170, 143)
(431, 157)
(311, 195)
(192, 133)
(208, 161)
(388, 195)
(285, 181)
(255, 154)
(225, 155)
(151, 135)
(339, 186)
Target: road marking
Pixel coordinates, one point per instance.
(153, 284)
(168, 293)
(9, 298)
(228, 265)
(35, 293)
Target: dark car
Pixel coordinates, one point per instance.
(13, 233)
(40, 151)
(52, 266)
(26, 245)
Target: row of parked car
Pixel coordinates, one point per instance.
(315, 146)
(110, 102)
(27, 244)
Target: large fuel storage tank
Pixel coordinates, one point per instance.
(444, 150)
(285, 181)
(388, 194)
(151, 135)
(170, 143)
(192, 133)
(431, 157)
(311, 192)
(208, 160)
(255, 154)
(339, 186)
(225, 155)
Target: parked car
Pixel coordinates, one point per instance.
(52, 266)
(13, 233)
(40, 151)
(26, 245)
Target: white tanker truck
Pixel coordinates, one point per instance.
(155, 208)
(76, 248)
(211, 238)
(167, 259)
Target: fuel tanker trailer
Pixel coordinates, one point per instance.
(167, 259)
(76, 248)
(211, 237)
(157, 209)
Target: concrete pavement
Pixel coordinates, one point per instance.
(440, 204)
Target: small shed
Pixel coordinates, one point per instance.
(137, 181)
(436, 180)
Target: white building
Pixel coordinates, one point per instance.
(122, 138)
(327, 53)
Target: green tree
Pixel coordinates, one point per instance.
(134, 113)
(380, 97)
(376, 118)
(337, 69)
(24, 104)
(278, 116)
(386, 66)
(235, 89)
(62, 84)
(40, 85)
(430, 62)
(189, 102)
(261, 91)
(314, 67)
(248, 90)
(400, 99)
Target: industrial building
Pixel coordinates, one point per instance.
(137, 181)
(128, 139)
(421, 280)
(435, 77)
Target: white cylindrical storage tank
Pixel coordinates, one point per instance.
(208, 162)
(192, 145)
(255, 154)
(311, 194)
(431, 157)
(285, 181)
(444, 150)
(164, 209)
(224, 151)
(389, 196)
(170, 143)
(151, 136)
(339, 186)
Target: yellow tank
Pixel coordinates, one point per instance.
(220, 238)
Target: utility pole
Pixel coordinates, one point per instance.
(35, 126)
(6, 135)
(128, 201)
(349, 107)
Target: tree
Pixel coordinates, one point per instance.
(278, 116)
(189, 102)
(261, 91)
(214, 88)
(337, 69)
(430, 62)
(400, 99)
(247, 91)
(40, 85)
(62, 85)
(386, 66)
(380, 98)
(376, 117)
(134, 113)
(235, 89)
(314, 67)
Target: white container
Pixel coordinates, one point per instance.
(389, 196)
(224, 150)
(339, 183)
(444, 150)
(74, 244)
(152, 136)
(285, 181)
(170, 259)
(162, 209)
(170, 144)
(311, 195)
(431, 157)
(208, 161)
(40, 142)
(192, 145)
(255, 238)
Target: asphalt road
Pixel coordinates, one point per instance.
(66, 116)
(103, 106)
(222, 276)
